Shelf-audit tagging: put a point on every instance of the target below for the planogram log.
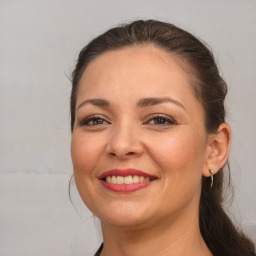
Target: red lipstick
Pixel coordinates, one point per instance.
(113, 186)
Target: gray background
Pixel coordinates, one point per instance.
(39, 43)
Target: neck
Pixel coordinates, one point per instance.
(175, 236)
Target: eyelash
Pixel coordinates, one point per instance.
(87, 120)
(162, 118)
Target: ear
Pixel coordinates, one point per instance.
(218, 147)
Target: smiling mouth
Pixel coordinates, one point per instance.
(129, 180)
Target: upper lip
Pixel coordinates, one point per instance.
(125, 172)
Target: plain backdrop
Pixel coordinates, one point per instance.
(39, 44)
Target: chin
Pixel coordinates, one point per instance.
(125, 216)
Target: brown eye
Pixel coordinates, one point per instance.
(93, 121)
(161, 120)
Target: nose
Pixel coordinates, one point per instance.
(124, 143)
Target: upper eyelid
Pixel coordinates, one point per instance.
(93, 116)
(152, 116)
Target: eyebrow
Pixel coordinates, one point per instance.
(146, 102)
(96, 102)
(142, 103)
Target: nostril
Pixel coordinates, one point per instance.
(122, 154)
(130, 153)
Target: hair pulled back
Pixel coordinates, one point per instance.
(219, 233)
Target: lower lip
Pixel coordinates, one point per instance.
(125, 188)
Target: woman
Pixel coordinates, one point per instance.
(149, 143)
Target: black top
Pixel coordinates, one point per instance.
(99, 250)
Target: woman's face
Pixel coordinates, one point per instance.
(139, 143)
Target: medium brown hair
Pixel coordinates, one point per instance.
(218, 231)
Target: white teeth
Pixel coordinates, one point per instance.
(136, 179)
(127, 179)
(141, 179)
(114, 179)
(119, 180)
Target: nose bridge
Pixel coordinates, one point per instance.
(125, 140)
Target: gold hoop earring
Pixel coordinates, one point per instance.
(211, 172)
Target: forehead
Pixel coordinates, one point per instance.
(135, 70)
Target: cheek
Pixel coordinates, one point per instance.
(178, 152)
(180, 159)
(85, 153)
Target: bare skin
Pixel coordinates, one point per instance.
(176, 239)
(164, 137)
